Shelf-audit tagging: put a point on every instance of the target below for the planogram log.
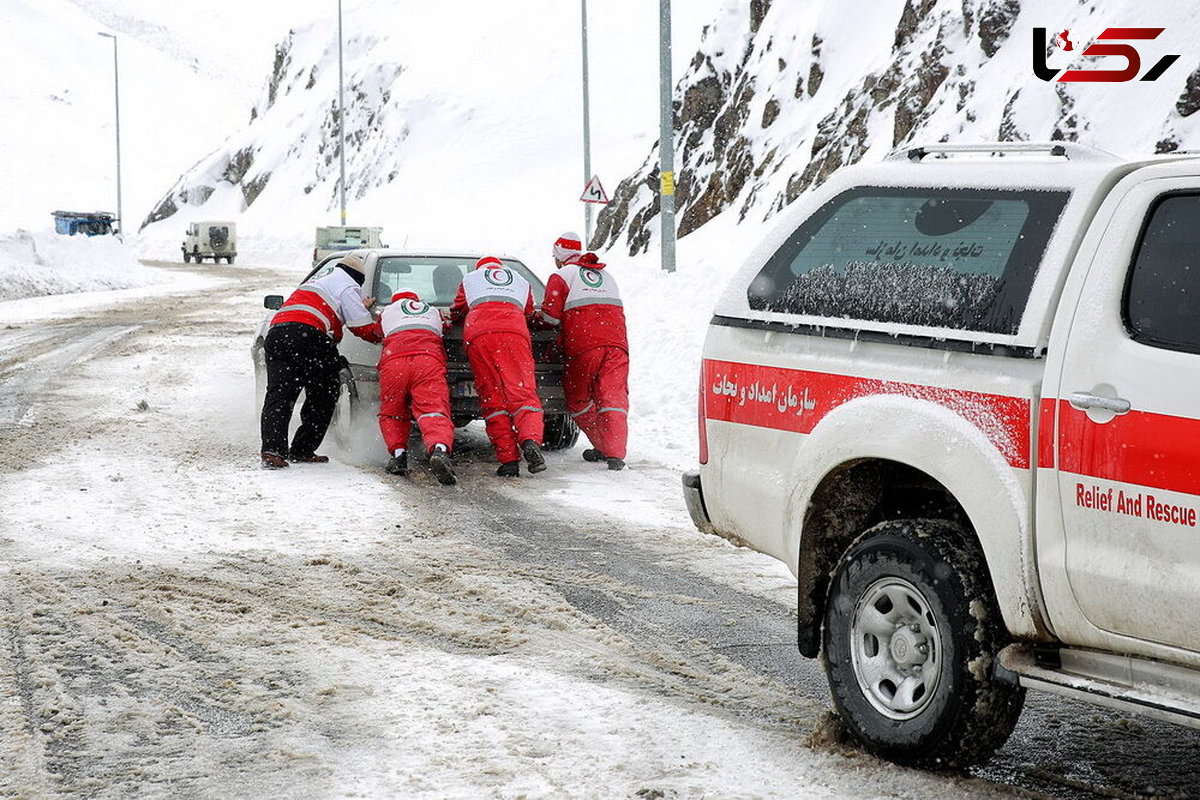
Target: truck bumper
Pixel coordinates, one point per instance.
(693, 496)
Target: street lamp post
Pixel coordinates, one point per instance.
(666, 138)
(341, 121)
(117, 101)
(587, 134)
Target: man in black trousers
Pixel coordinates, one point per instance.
(301, 351)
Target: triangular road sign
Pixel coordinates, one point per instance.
(594, 192)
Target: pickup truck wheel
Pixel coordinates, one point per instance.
(911, 631)
(559, 432)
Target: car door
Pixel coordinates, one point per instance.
(1128, 421)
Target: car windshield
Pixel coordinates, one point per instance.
(436, 278)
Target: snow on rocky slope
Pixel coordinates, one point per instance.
(777, 97)
(782, 94)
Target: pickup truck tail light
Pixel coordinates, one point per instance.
(702, 418)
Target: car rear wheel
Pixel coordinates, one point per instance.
(260, 375)
(346, 411)
(912, 628)
(559, 432)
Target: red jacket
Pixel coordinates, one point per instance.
(584, 300)
(492, 298)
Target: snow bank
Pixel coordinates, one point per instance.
(39, 263)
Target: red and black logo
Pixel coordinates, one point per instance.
(1108, 43)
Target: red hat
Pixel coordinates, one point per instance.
(404, 294)
(489, 262)
(567, 245)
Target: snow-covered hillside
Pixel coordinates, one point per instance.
(464, 129)
(784, 93)
(188, 73)
(461, 130)
(777, 97)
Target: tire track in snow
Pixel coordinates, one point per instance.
(23, 376)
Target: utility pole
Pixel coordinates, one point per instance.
(666, 138)
(587, 133)
(117, 101)
(341, 121)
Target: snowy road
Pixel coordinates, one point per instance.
(32, 357)
(176, 622)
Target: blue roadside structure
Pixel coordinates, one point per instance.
(89, 223)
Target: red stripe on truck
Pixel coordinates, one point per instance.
(796, 400)
(1046, 434)
(1141, 448)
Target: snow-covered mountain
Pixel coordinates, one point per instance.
(469, 134)
(188, 72)
(784, 93)
(777, 97)
(450, 119)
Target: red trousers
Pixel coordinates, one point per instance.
(502, 363)
(596, 385)
(411, 386)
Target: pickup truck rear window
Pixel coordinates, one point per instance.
(1163, 293)
(945, 258)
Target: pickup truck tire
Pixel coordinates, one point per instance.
(559, 432)
(912, 628)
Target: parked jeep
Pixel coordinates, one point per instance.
(958, 394)
(215, 240)
(435, 277)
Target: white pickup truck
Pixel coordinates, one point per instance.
(958, 394)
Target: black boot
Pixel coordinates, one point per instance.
(509, 469)
(398, 465)
(593, 455)
(533, 455)
(616, 463)
(439, 462)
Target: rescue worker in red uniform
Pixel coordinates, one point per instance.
(412, 383)
(301, 352)
(583, 299)
(497, 306)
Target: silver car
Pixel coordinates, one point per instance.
(436, 278)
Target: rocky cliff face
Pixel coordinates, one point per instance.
(782, 94)
(247, 162)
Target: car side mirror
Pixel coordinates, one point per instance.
(273, 301)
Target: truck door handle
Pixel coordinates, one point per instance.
(1085, 401)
